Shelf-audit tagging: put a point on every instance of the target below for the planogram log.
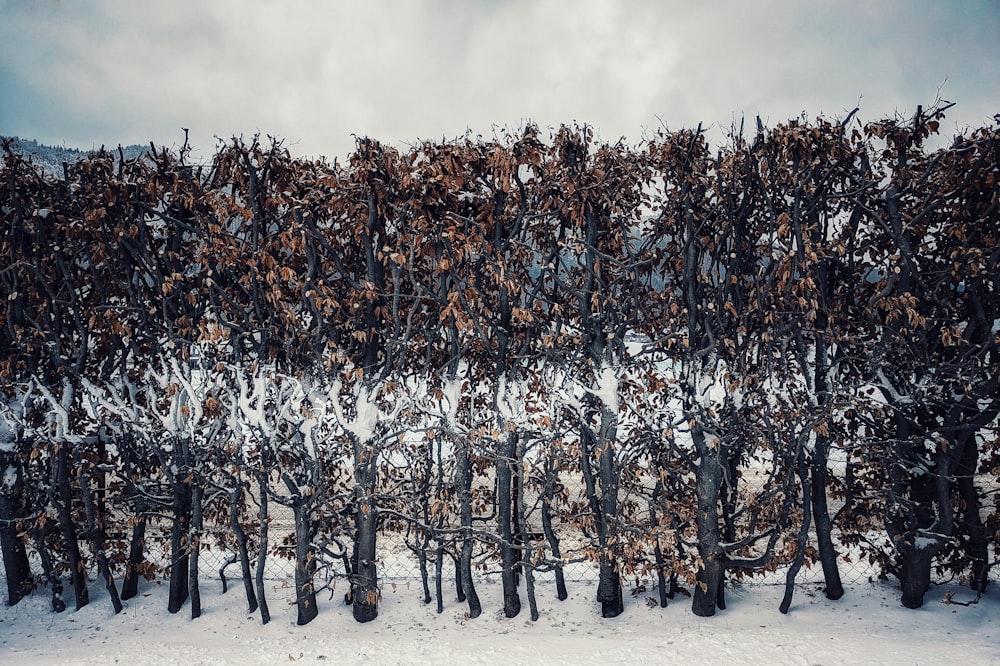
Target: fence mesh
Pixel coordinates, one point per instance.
(398, 560)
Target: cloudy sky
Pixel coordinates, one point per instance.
(82, 73)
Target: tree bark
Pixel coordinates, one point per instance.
(179, 533)
(708, 481)
(975, 541)
(42, 548)
(821, 455)
(305, 563)
(526, 556)
(262, 545)
(803, 536)
(915, 577)
(242, 550)
(95, 531)
(64, 511)
(194, 545)
(550, 535)
(364, 590)
(834, 588)
(463, 485)
(508, 557)
(609, 587)
(15, 556)
(130, 582)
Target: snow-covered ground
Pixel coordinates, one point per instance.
(867, 626)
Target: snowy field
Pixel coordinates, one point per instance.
(867, 626)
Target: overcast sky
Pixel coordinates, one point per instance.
(82, 73)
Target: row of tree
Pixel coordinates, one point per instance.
(515, 353)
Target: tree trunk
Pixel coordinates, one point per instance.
(15, 556)
(824, 525)
(550, 535)
(916, 553)
(64, 511)
(708, 482)
(95, 531)
(975, 541)
(463, 486)
(508, 557)
(803, 536)
(915, 578)
(609, 587)
(438, 578)
(305, 562)
(42, 547)
(194, 544)
(526, 556)
(241, 544)
(265, 518)
(608, 583)
(364, 589)
(181, 506)
(821, 513)
(130, 582)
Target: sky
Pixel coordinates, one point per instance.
(318, 73)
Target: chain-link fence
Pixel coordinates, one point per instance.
(398, 557)
(398, 561)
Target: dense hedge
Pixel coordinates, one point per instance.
(515, 352)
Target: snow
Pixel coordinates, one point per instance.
(607, 388)
(867, 626)
(9, 479)
(510, 399)
(363, 426)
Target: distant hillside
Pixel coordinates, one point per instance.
(51, 158)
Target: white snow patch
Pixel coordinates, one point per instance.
(868, 625)
(607, 388)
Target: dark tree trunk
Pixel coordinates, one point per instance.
(910, 509)
(305, 563)
(517, 538)
(463, 486)
(821, 513)
(550, 535)
(179, 532)
(42, 547)
(803, 536)
(262, 545)
(456, 560)
(130, 582)
(64, 510)
(916, 553)
(609, 584)
(526, 557)
(242, 550)
(15, 556)
(975, 540)
(95, 532)
(708, 481)
(609, 587)
(364, 589)
(439, 522)
(508, 556)
(422, 507)
(609, 592)
(824, 525)
(915, 578)
(438, 579)
(194, 544)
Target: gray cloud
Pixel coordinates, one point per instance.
(314, 72)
